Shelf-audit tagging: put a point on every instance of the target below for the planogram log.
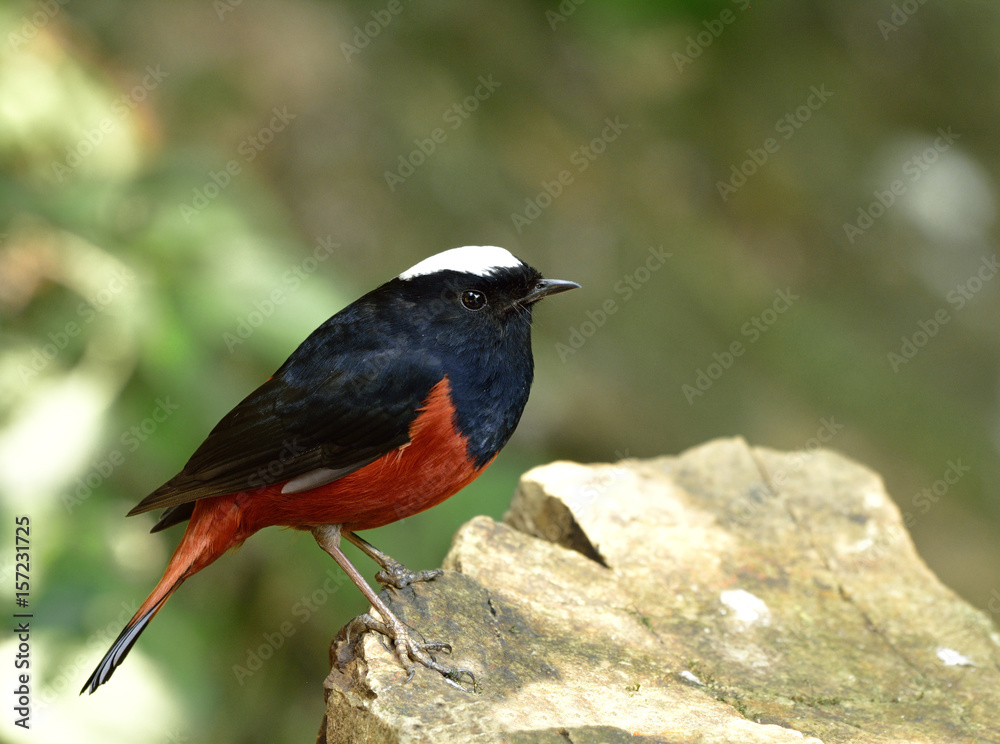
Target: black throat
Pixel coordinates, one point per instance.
(490, 381)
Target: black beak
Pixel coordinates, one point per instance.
(546, 287)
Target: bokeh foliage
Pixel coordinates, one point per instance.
(187, 189)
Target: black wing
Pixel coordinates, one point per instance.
(323, 409)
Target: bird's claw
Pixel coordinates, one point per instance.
(454, 678)
(399, 576)
(407, 649)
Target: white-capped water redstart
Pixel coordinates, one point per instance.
(394, 404)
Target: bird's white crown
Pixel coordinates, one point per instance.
(482, 260)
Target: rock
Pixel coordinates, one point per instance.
(731, 594)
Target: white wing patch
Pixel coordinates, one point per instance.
(313, 479)
(482, 260)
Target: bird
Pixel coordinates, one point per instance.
(389, 407)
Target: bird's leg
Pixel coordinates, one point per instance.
(328, 537)
(393, 573)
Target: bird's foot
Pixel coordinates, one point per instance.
(396, 575)
(408, 650)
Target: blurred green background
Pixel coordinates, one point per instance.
(783, 216)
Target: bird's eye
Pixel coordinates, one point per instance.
(473, 299)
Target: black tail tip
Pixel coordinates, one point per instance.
(91, 684)
(119, 649)
(102, 674)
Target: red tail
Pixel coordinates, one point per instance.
(213, 529)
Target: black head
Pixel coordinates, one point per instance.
(472, 307)
(474, 288)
